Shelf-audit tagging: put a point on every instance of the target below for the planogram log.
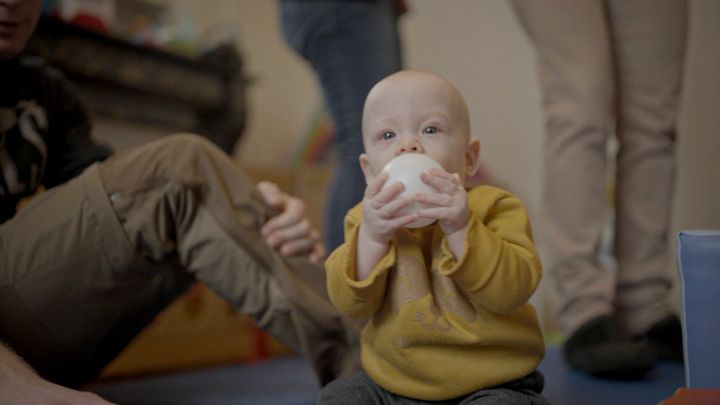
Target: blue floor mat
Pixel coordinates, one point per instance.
(565, 386)
(290, 381)
(279, 381)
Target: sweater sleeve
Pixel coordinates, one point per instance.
(500, 267)
(356, 299)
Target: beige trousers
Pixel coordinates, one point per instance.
(90, 263)
(608, 67)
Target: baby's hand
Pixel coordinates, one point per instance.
(449, 205)
(380, 209)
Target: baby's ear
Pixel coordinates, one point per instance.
(365, 166)
(472, 157)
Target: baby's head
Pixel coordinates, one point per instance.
(417, 112)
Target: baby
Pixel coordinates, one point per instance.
(447, 304)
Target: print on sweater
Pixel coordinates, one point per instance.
(23, 152)
(412, 279)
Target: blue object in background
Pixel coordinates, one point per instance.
(699, 271)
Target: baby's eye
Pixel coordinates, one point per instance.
(430, 130)
(387, 135)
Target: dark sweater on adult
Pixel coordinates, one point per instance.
(44, 131)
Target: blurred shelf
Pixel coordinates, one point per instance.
(124, 80)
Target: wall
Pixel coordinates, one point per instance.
(479, 46)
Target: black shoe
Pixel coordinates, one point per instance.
(599, 348)
(666, 337)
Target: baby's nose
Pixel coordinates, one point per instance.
(410, 146)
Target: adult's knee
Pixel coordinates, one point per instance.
(180, 158)
(186, 150)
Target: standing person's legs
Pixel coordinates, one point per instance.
(576, 75)
(351, 46)
(650, 44)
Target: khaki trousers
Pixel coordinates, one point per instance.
(90, 263)
(608, 67)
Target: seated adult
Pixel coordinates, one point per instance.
(85, 266)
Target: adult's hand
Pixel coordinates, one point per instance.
(20, 385)
(290, 232)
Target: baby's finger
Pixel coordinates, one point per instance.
(390, 209)
(375, 184)
(405, 220)
(439, 180)
(434, 199)
(439, 213)
(389, 193)
(442, 174)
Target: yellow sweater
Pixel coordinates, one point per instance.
(440, 327)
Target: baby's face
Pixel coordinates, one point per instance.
(417, 112)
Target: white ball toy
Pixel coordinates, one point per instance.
(406, 168)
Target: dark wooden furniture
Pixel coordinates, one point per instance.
(143, 84)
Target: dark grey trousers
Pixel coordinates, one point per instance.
(359, 389)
